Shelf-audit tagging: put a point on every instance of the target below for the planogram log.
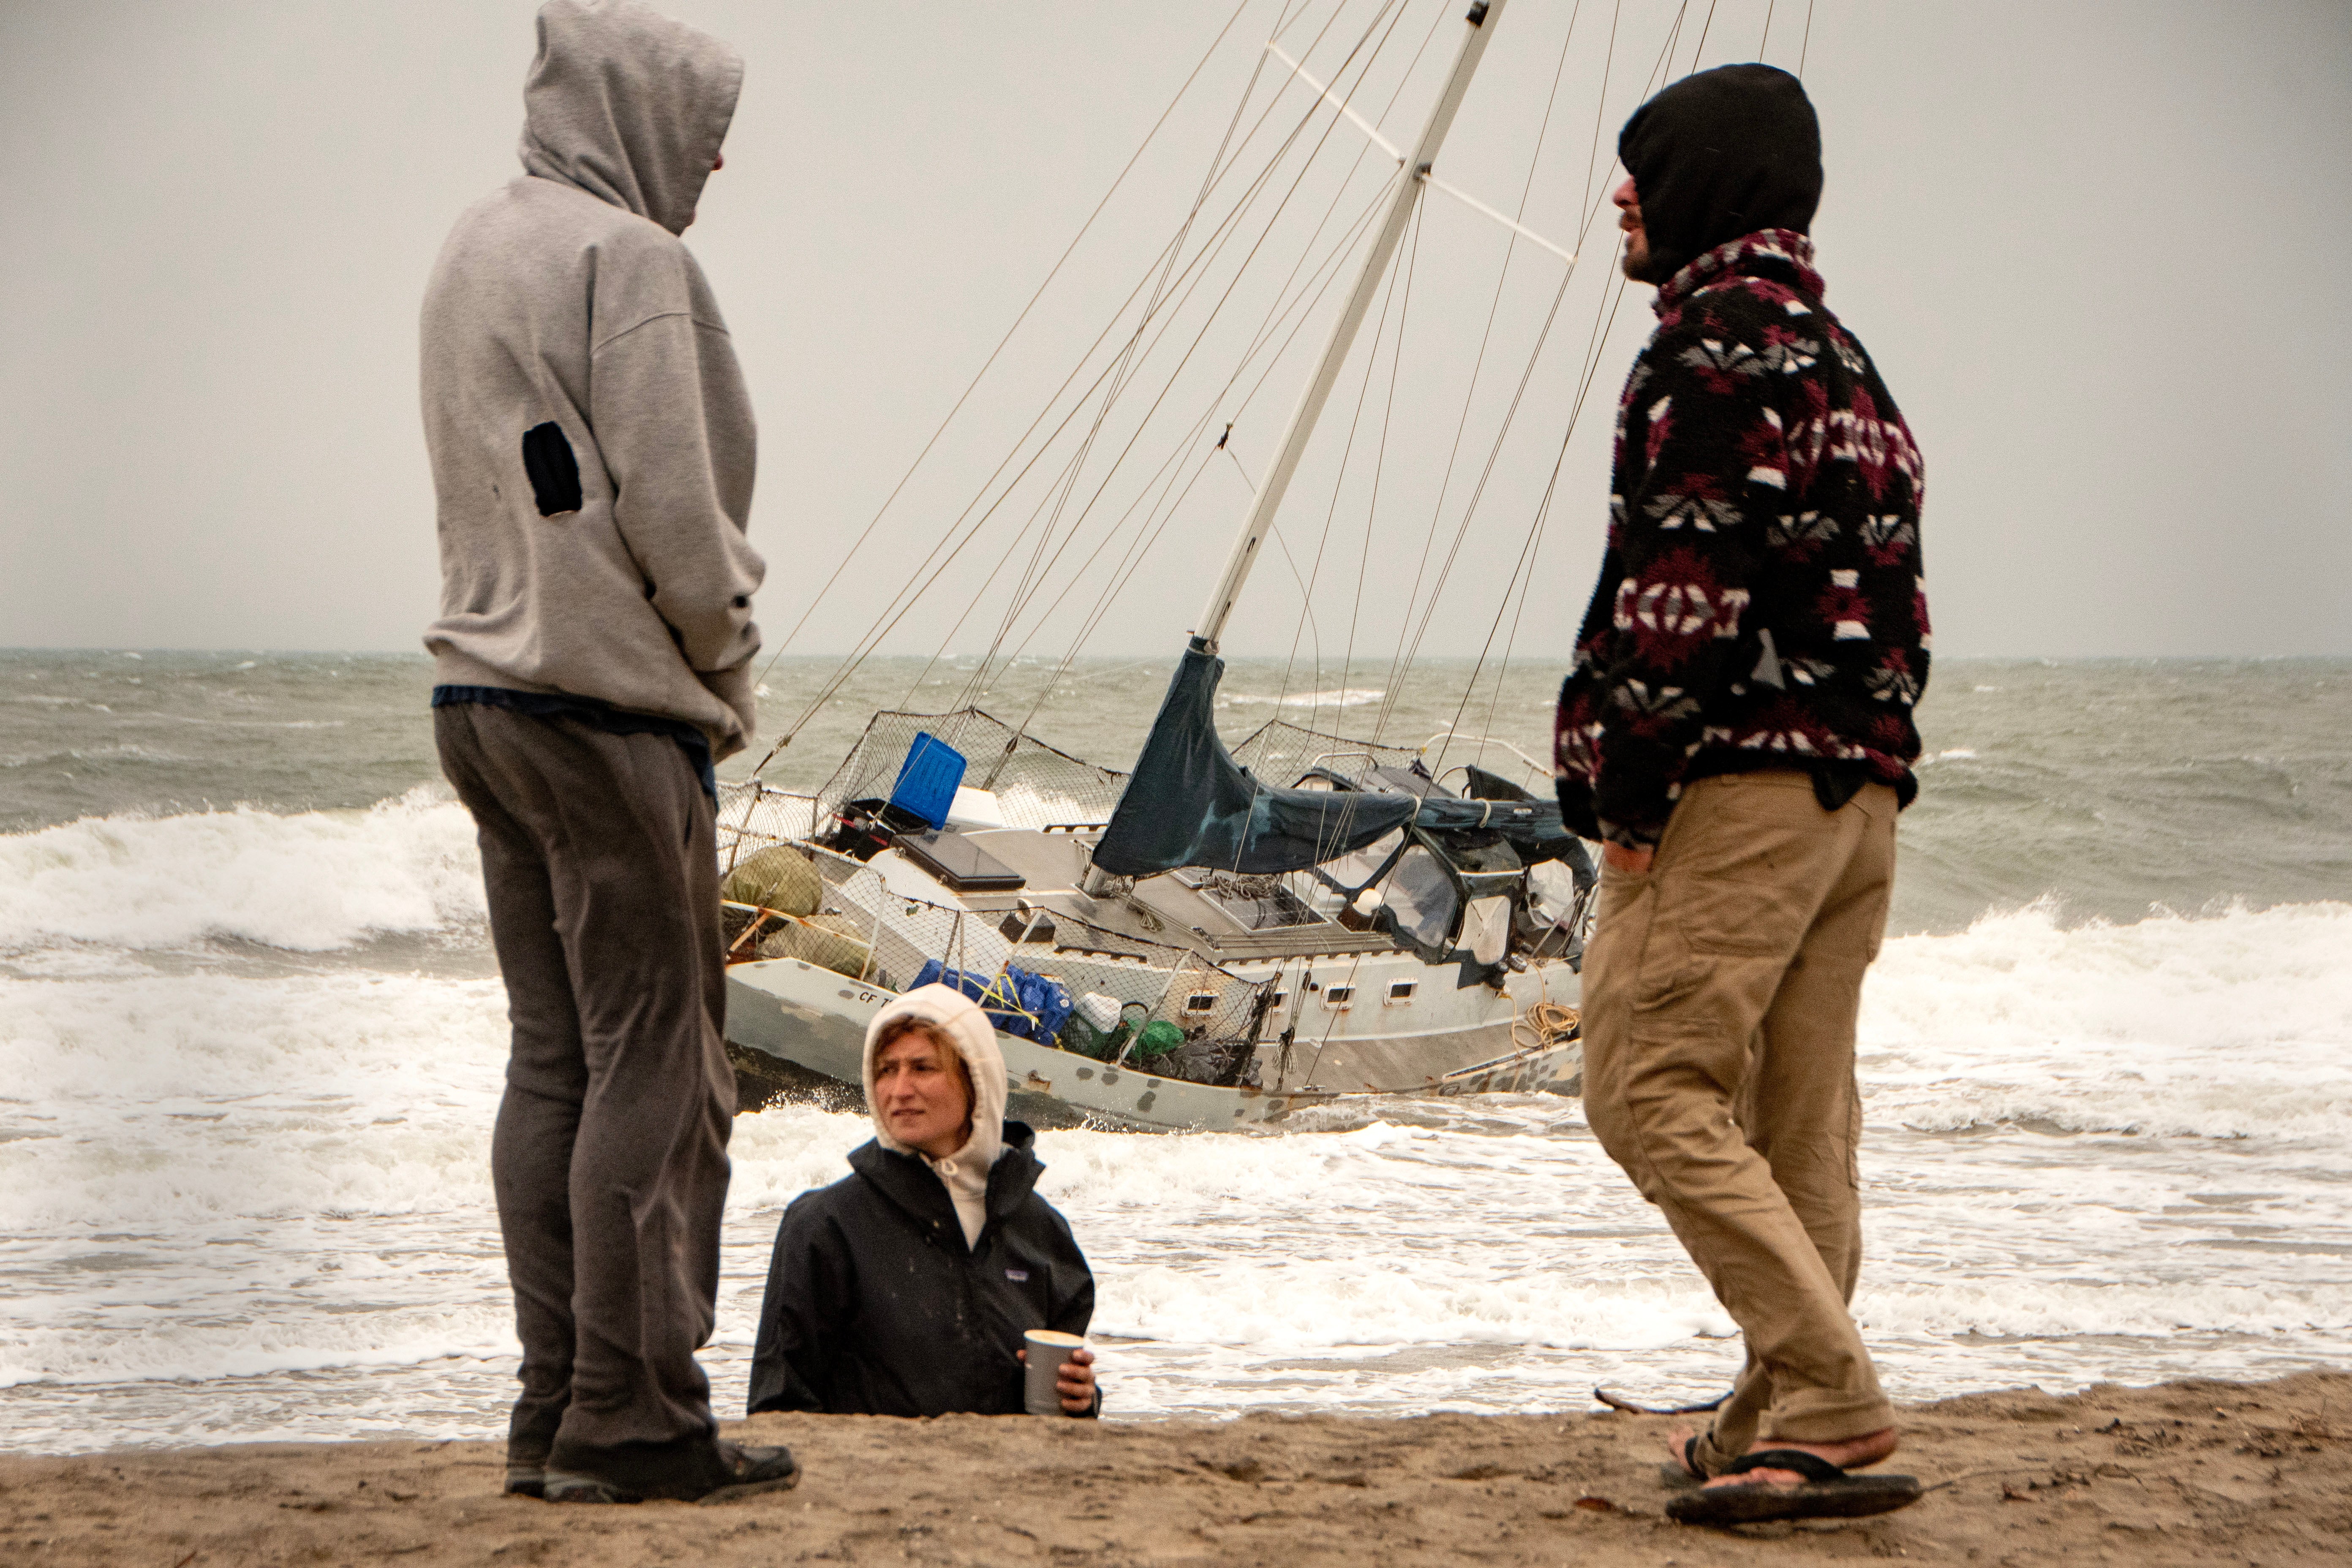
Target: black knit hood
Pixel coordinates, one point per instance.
(1718, 155)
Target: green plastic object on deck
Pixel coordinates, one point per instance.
(1159, 1037)
(1079, 1035)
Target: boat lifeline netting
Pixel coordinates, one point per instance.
(753, 816)
(1036, 784)
(890, 938)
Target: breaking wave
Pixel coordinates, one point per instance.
(2231, 1024)
(1343, 697)
(310, 881)
(2096, 1150)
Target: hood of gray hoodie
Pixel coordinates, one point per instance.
(628, 105)
(591, 433)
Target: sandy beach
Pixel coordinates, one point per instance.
(2194, 1471)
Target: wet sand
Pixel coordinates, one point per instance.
(2192, 1472)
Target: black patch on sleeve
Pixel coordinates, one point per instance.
(554, 475)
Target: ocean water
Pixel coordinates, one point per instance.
(251, 1039)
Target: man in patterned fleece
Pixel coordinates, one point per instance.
(1737, 732)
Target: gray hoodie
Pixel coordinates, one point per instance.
(604, 557)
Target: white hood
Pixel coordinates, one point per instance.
(960, 1018)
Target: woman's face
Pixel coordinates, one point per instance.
(922, 1096)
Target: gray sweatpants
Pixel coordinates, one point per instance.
(610, 1158)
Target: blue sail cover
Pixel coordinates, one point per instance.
(1189, 804)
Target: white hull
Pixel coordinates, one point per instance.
(815, 1020)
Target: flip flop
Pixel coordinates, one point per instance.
(1682, 1477)
(1827, 1493)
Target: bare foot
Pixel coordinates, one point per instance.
(1679, 1445)
(1847, 1454)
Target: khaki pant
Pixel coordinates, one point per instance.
(1720, 990)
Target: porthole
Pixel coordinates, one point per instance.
(1338, 995)
(1201, 1002)
(1402, 989)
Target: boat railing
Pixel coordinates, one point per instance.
(1281, 752)
(1035, 785)
(892, 937)
(753, 814)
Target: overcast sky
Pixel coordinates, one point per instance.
(2096, 251)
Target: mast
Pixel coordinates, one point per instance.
(1412, 170)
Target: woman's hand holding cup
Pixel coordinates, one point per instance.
(1073, 1384)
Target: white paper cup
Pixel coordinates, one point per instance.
(1048, 1349)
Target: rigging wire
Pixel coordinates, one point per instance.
(860, 650)
(1282, 307)
(1600, 105)
(1511, 643)
(1380, 471)
(1703, 32)
(1024, 593)
(1502, 277)
(1118, 381)
(888, 620)
(1302, 305)
(1805, 49)
(1389, 294)
(1196, 272)
(1486, 337)
(1139, 548)
(884, 620)
(1145, 542)
(1532, 549)
(973, 385)
(1408, 653)
(1265, 328)
(1355, 421)
(1217, 171)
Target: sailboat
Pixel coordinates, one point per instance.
(1220, 938)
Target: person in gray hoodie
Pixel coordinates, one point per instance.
(591, 447)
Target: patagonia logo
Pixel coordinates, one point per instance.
(1018, 1275)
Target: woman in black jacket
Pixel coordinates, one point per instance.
(904, 1289)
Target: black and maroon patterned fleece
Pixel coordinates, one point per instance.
(1760, 603)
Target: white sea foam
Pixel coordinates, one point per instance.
(2230, 1025)
(208, 1176)
(1340, 697)
(184, 1099)
(312, 881)
(89, 754)
(2094, 1152)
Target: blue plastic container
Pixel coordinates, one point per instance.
(927, 779)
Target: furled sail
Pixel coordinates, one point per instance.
(1189, 804)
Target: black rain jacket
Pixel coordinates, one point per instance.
(875, 1307)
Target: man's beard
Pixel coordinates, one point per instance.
(1651, 268)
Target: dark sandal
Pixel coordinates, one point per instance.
(1827, 1493)
(1682, 1477)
